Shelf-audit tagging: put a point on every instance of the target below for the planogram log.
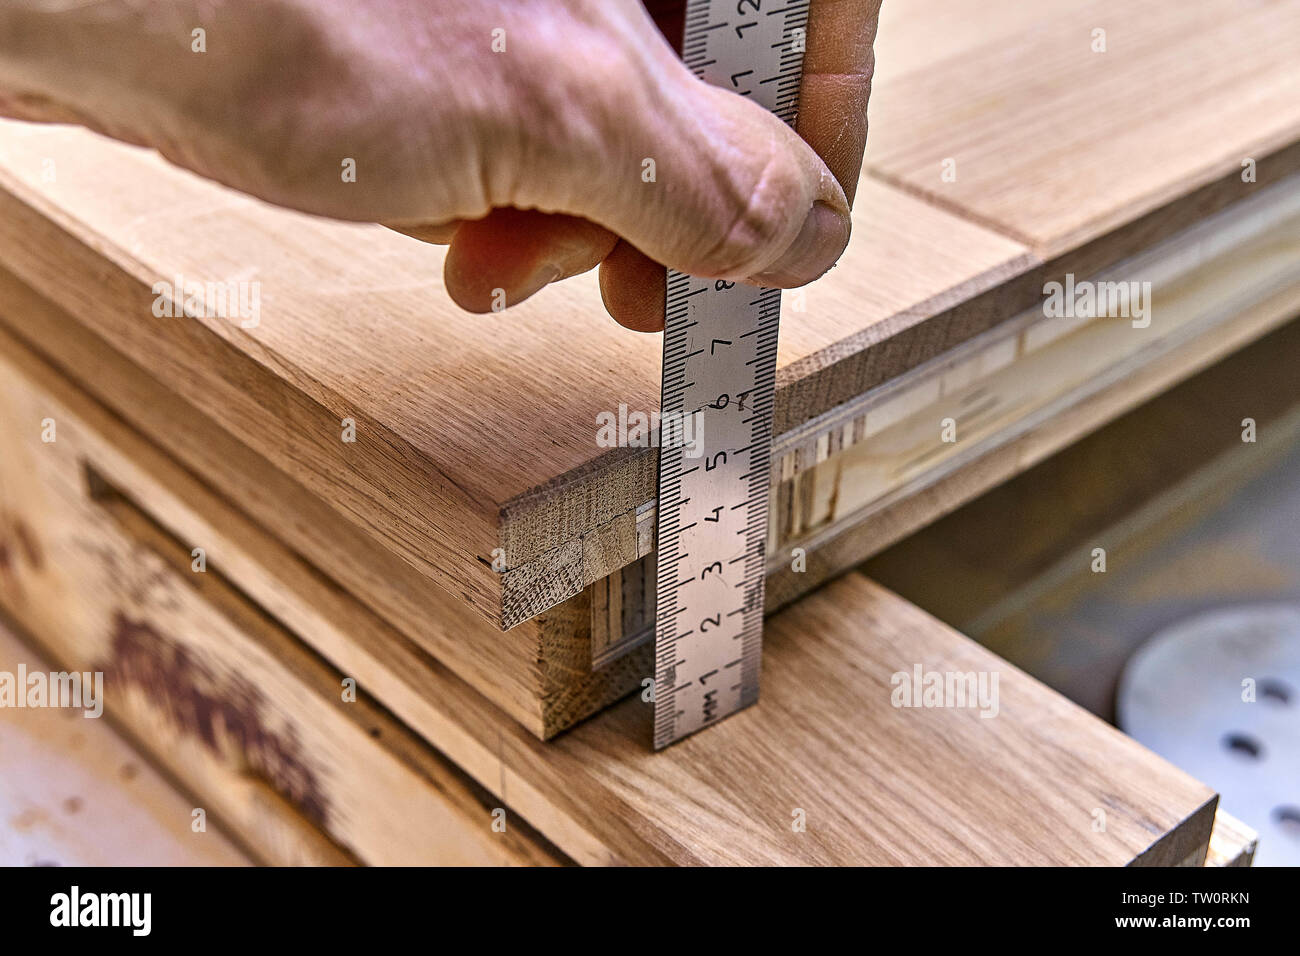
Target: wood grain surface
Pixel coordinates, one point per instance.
(1057, 141)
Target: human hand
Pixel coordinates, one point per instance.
(523, 149)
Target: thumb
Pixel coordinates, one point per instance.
(751, 200)
(699, 178)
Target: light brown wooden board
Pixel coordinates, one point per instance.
(1057, 145)
(535, 672)
(74, 793)
(892, 786)
(458, 417)
(242, 714)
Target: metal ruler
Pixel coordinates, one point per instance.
(719, 377)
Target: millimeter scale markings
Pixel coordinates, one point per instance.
(719, 380)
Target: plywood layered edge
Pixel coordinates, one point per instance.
(600, 501)
(853, 482)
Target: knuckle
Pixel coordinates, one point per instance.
(756, 216)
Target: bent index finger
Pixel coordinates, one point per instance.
(837, 69)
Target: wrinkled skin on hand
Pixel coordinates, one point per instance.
(515, 130)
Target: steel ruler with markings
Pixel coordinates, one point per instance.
(719, 378)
